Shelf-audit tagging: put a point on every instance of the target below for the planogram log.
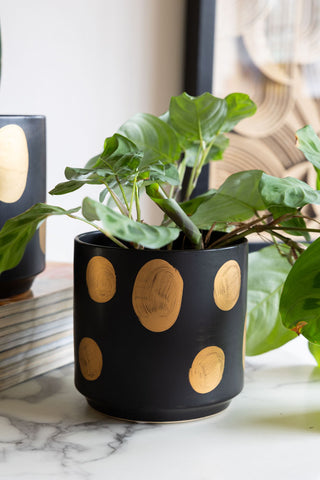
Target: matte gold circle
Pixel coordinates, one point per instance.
(157, 295)
(101, 279)
(90, 359)
(207, 369)
(227, 284)
(14, 163)
(42, 236)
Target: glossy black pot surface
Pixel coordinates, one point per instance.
(22, 184)
(159, 334)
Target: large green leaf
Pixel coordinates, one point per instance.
(122, 227)
(197, 118)
(155, 138)
(287, 192)
(300, 300)
(267, 273)
(18, 231)
(190, 206)
(309, 143)
(236, 200)
(240, 106)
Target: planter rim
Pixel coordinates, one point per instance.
(17, 116)
(80, 239)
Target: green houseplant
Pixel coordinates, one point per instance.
(151, 154)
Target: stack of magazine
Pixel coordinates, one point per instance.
(36, 327)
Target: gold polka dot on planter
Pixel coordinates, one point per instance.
(101, 279)
(227, 284)
(157, 295)
(207, 369)
(14, 163)
(90, 359)
(42, 237)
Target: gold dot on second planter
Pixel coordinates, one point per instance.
(227, 284)
(90, 359)
(101, 279)
(42, 237)
(207, 369)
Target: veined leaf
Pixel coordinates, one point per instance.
(287, 192)
(160, 173)
(190, 206)
(197, 118)
(66, 187)
(122, 227)
(120, 155)
(236, 200)
(118, 162)
(240, 106)
(18, 231)
(300, 300)
(268, 271)
(309, 143)
(215, 153)
(155, 138)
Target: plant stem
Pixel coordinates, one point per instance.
(115, 240)
(229, 237)
(199, 163)
(138, 208)
(192, 175)
(173, 210)
(117, 200)
(123, 193)
(132, 196)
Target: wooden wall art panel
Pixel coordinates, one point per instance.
(270, 50)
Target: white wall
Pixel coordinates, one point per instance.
(88, 65)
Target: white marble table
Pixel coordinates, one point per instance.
(270, 431)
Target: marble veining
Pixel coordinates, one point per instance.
(47, 431)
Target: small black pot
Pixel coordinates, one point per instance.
(22, 184)
(158, 334)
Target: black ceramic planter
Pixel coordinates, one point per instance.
(22, 184)
(158, 334)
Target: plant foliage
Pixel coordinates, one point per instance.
(158, 156)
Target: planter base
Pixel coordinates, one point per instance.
(15, 287)
(160, 416)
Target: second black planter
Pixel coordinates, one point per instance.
(159, 335)
(22, 184)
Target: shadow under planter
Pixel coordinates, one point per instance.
(22, 184)
(158, 334)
